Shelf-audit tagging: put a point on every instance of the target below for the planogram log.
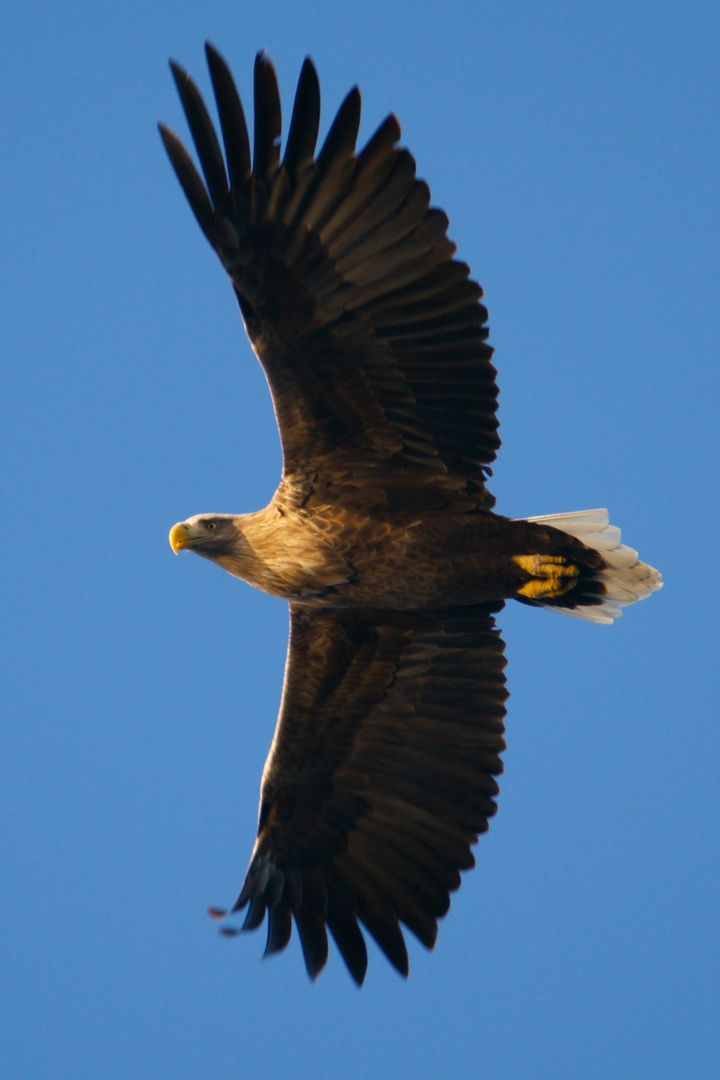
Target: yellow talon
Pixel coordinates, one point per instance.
(552, 575)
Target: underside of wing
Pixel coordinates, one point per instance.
(380, 778)
(372, 336)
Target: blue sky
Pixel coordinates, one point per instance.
(574, 147)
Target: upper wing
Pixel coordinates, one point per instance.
(371, 336)
(380, 777)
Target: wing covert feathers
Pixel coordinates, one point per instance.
(380, 778)
(372, 336)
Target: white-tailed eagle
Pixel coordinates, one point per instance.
(382, 534)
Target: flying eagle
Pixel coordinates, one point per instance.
(382, 534)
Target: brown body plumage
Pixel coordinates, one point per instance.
(381, 535)
(334, 555)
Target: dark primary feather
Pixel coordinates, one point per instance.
(304, 125)
(232, 121)
(204, 136)
(372, 336)
(268, 120)
(380, 779)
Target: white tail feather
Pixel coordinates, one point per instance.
(625, 578)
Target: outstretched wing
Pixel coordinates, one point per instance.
(372, 337)
(380, 778)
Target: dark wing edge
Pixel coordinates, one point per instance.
(380, 778)
(343, 253)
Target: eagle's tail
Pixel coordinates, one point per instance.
(596, 594)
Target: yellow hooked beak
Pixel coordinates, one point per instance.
(179, 536)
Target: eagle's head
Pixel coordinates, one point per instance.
(209, 535)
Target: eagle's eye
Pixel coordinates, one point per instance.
(211, 526)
